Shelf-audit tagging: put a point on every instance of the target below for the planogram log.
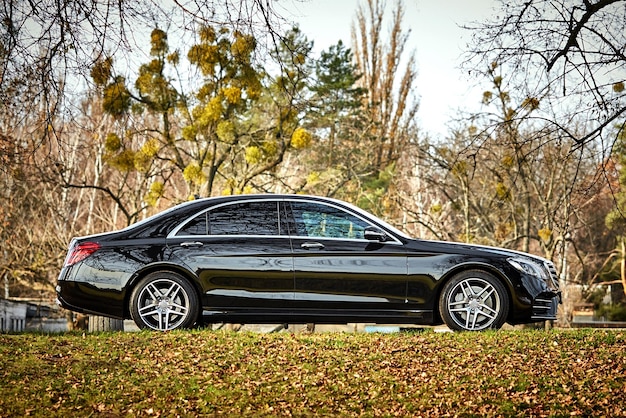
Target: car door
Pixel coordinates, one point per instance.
(337, 268)
(241, 253)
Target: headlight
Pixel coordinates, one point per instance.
(528, 267)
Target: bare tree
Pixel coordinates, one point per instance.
(567, 55)
(389, 85)
(388, 75)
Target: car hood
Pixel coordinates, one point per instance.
(470, 249)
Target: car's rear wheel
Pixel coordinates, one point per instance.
(164, 301)
(474, 300)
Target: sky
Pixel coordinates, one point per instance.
(435, 36)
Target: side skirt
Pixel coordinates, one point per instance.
(260, 316)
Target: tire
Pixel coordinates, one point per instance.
(474, 300)
(164, 301)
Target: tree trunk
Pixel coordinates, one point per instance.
(102, 323)
(623, 266)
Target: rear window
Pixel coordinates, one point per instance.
(244, 218)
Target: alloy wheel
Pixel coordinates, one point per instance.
(163, 303)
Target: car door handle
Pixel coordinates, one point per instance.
(312, 246)
(191, 244)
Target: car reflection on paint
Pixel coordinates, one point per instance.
(297, 259)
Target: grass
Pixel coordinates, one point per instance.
(192, 373)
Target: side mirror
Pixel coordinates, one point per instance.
(374, 234)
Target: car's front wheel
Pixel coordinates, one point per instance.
(474, 300)
(164, 301)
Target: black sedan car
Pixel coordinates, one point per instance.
(297, 259)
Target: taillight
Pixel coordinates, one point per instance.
(80, 252)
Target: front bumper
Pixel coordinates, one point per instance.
(545, 306)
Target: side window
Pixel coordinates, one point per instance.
(196, 226)
(319, 220)
(246, 218)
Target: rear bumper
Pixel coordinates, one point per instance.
(77, 296)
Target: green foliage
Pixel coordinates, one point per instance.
(155, 89)
(545, 234)
(101, 71)
(226, 63)
(193, 174)
(612, 312)
(301, 138)
(151, 148)
(112, 143)
(124, 160)
(116, 98)
(375, 190)
(336, 91)
(226, 131)
(294, 53)
(336, 112)
(158, 43)
(200, 373)
(340, 156)
(195, 132)
(155, 193)
(253, 154)
(502, 191)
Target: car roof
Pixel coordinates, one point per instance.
(185, 209)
